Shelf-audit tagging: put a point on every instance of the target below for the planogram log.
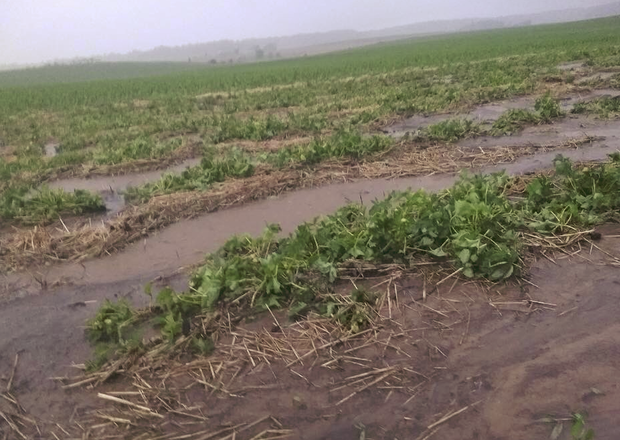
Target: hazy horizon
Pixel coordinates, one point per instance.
(33, 31)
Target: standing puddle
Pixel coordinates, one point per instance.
(111, 187)
(489, 113)
(563, 131)
(187, 241)
(51, 149)
(599, 76)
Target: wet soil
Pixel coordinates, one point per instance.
(187, 241)
(509, 362)
(516, 365)
(489, 113)
(111, 187)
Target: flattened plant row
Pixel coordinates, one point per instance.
(476, 226)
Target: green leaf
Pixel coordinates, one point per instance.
(469, 273)
(148, 289)
(577, 427)
(439, 252)
(498, 274)
(356, 252)
(464, 256)
(426, 241)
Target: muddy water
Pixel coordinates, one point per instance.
(111, 187)
(599, 76)
(187, 241)
(489, 113)
(565, 130)
(120, 183)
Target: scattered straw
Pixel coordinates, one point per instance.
(25, 247)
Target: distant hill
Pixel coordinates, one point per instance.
(229, 51)
(250, 50)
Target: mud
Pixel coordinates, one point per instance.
(515, 365)
(489, 113)
(510, 365)
(599, 76)
(111, 187)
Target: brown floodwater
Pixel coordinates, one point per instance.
(187, 241)
(489, 113)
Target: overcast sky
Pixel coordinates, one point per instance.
(38, 30)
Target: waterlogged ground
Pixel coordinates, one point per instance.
(467, 347)
(514, 367)
(489, 113)
(460, 361)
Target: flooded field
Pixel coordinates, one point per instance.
(475, 307)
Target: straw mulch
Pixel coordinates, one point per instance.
(23, 248)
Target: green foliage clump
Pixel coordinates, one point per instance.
(255, 129)
(344, 143)
(452, 130)
(140, 148)
(111, 323)
(606, 107)
(44, 205)
(212, 169)
(548, 108)
(580, 197)
(513, 120)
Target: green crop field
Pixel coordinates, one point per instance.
(115, 115)
(63, 73)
